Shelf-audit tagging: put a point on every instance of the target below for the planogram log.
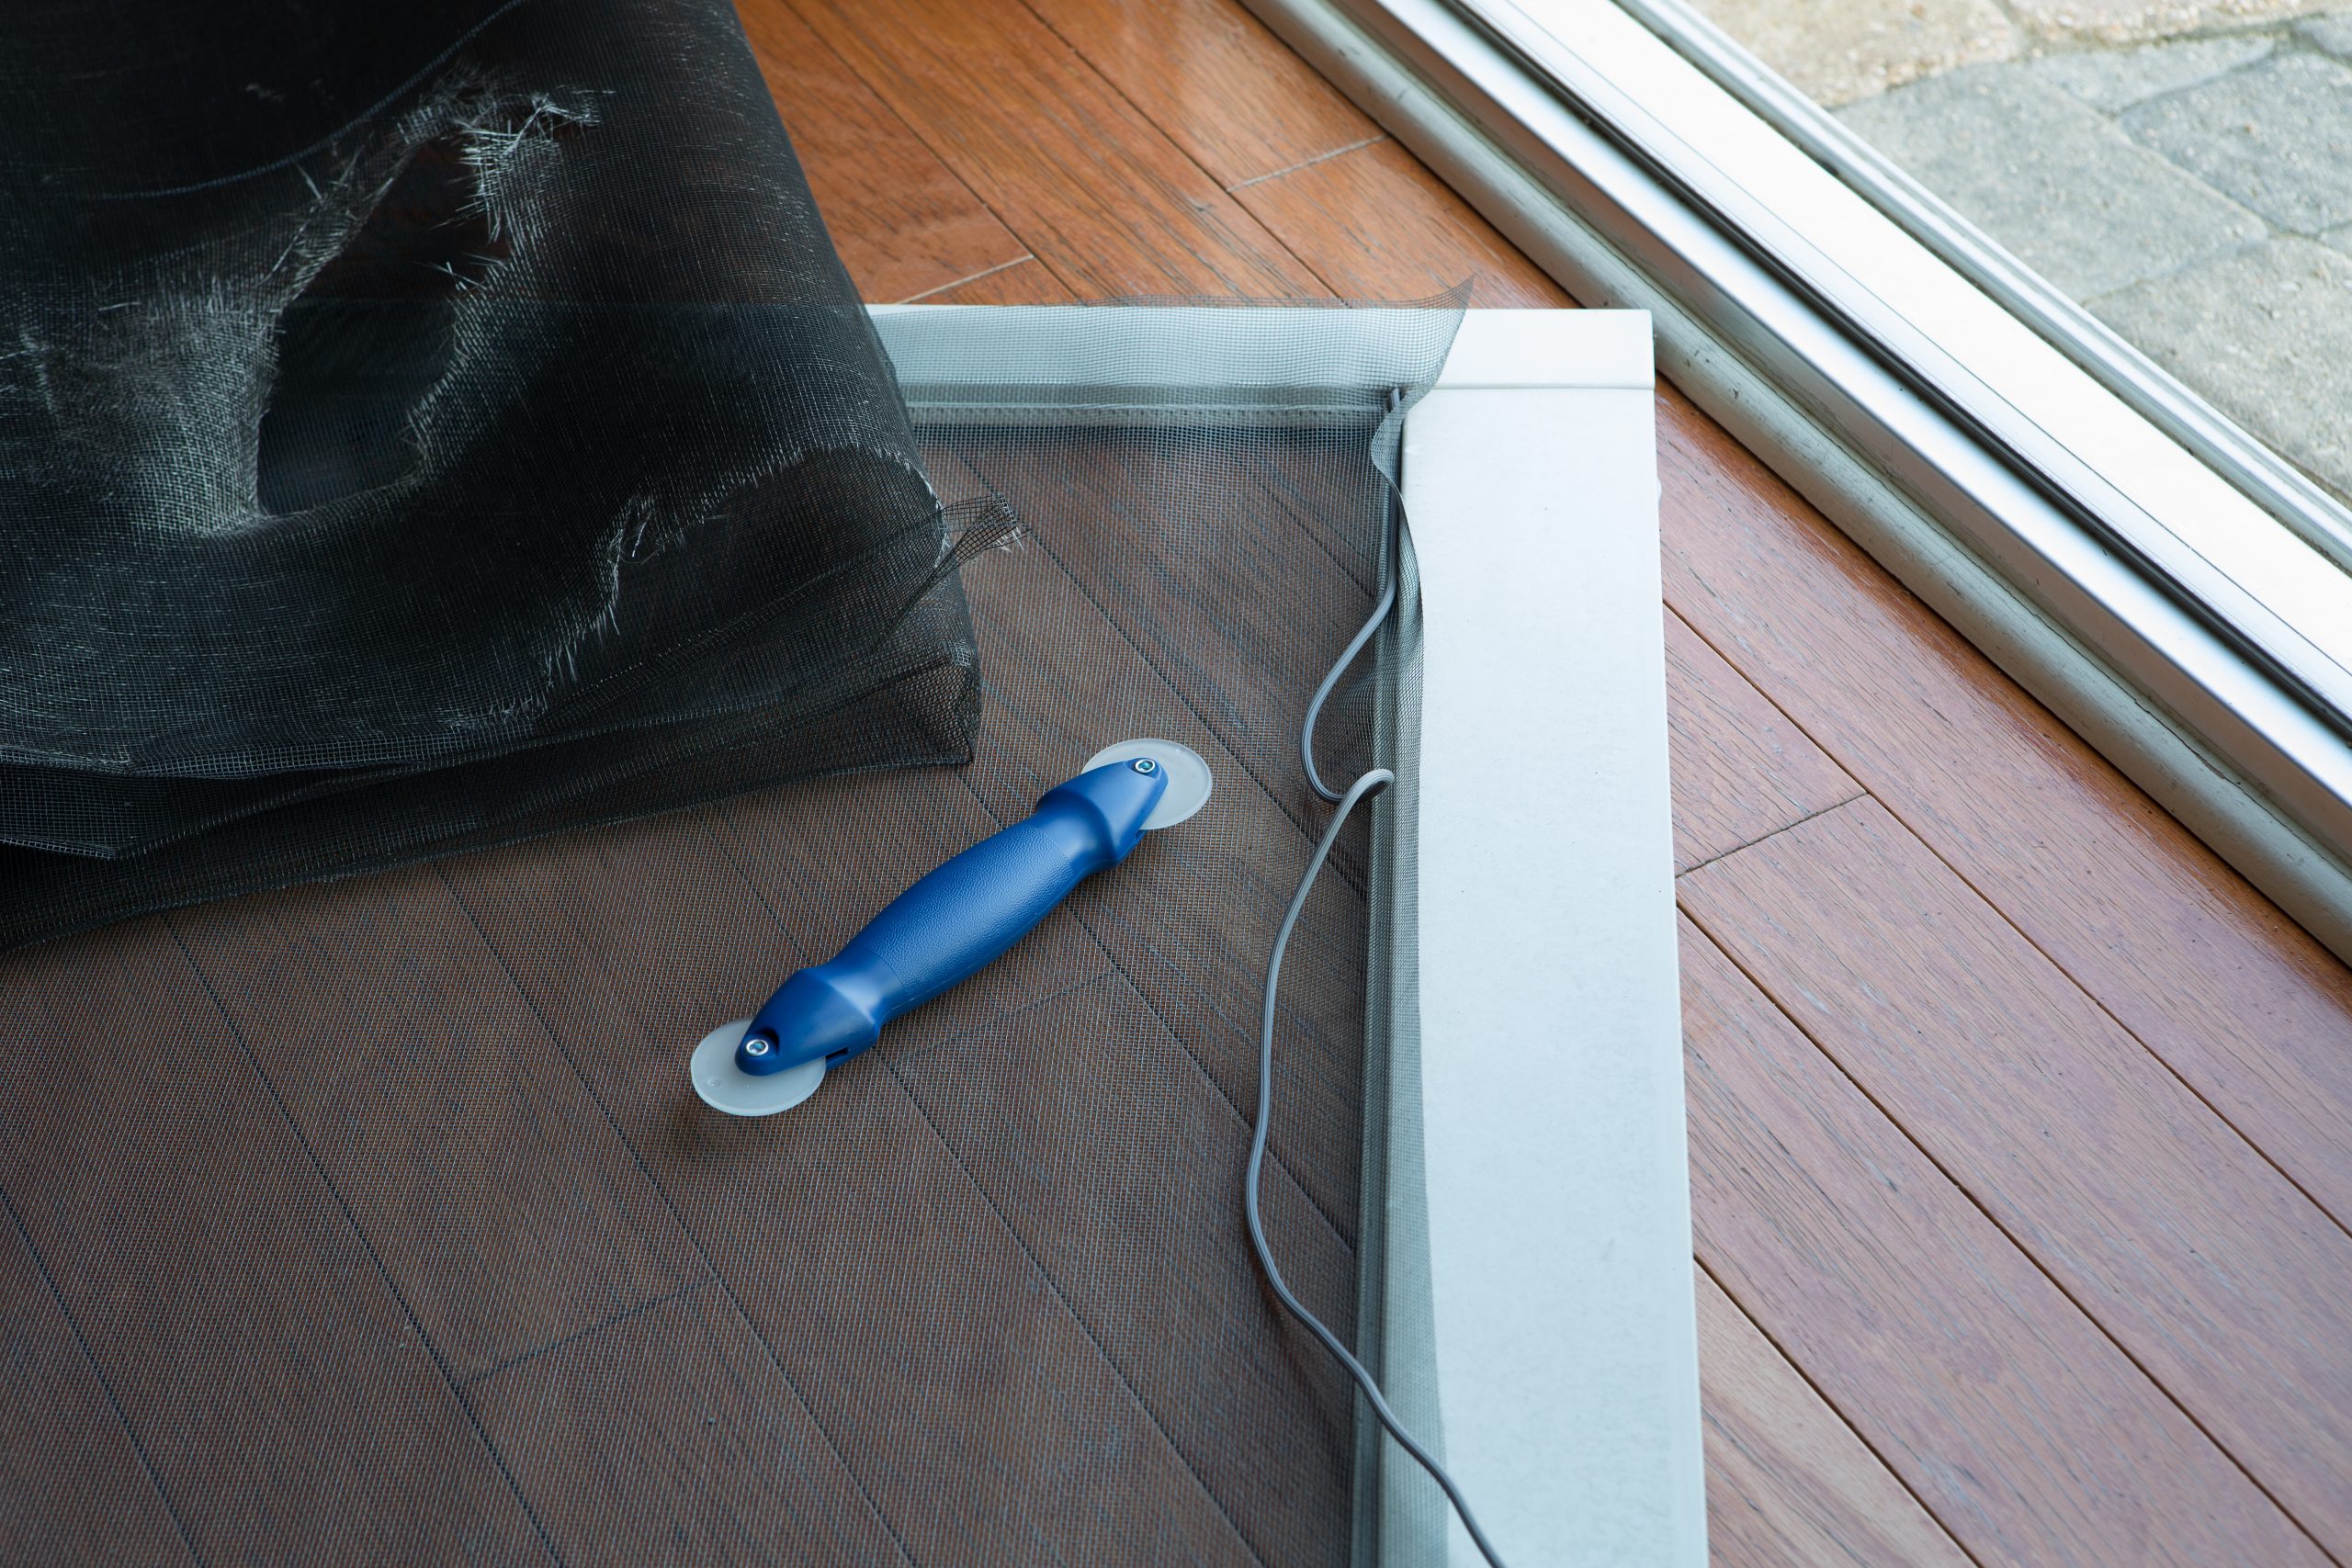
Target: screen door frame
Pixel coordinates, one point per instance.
(1525, 1271)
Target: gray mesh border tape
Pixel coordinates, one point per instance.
(1400, 1513)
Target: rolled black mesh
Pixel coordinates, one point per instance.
(428, 425)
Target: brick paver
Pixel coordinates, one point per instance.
(2196, 191)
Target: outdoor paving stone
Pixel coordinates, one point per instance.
(2267, 334)
(2051, 179)
(2114, 80)
(2332, 33)
(2277, 136)
(2132, 21)
(1835, 51)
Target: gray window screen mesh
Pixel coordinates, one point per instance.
(372, 1218)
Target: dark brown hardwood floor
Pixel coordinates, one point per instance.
(2020, 1126)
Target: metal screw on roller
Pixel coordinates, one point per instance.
(1189, 781)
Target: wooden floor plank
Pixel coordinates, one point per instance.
(1025, 282)
(2030, 1437)
(1375, 224)
(506, 1209)
(73, 1486)
(1102, 1145)
(931, 1351)
(902, 222)
(1788, 1484)
(1060, 668)
(2226, 1283)
(1740, 769)
(2243, 1004)
(278, 1385)
(670, 1438)
(1090, 185)
(1211, 76)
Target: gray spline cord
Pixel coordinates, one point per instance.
(1378, 778)
(1390, 545)
(1372, 782)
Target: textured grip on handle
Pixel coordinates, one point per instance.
(955, 922)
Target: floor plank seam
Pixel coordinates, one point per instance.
(2099, 1003)
(623, 1316)
(712, 816)
(1834, 1409)
(1768, 838)
(884, 105)
(367, 1243)
(1143, 1407)
(1110, 89)
(876, 91)
(669, 1207)
(1344, 1236)
(1330, 290)
(1167, 680)
(1240, 759)
(958, 283)
(106, 1384)
(1149, 118)
(1757, 686)
(2097, 1323)
(1113, 87)
(1307, 163)
(909, 1059)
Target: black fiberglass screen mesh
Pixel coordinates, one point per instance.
(425, 426)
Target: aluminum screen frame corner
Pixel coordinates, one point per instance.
(1525, 1286)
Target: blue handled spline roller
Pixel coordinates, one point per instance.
(947, 926)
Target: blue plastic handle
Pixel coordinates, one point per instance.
(955, 920)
